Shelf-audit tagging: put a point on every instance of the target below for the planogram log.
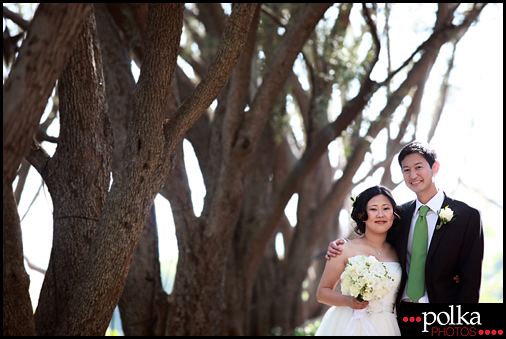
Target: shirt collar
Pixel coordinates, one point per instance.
(434, 204)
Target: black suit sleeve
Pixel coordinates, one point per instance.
(471, 259)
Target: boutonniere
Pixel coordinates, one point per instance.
(446, 216)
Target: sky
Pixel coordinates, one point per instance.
(468, 140)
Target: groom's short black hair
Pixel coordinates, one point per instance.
(421, 148)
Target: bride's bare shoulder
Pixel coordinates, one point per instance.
(352, 248)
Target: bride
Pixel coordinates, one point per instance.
(374, 212)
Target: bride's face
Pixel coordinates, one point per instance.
(380, 214)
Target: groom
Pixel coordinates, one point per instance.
(454, 243)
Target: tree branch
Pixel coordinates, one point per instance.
(37, 157)
(418, 76)
(375, 38)
(213, 18)
(32, 266)
(277, 73)
(16, 18)
(31, 80)
(443, 92)
(143, 169)
(177, 190)
(229, 50)
(78, 174)
(147, 159)
(17, 307)
(242, 146)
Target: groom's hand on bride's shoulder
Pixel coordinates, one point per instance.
(334, 249)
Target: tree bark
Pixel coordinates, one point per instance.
(17, 306)
(238, 149)
(103, 245)
(41, 59)
(191, 302)
(77, 175)
(143, 304)
(146, 162)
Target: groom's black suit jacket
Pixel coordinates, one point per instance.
(456, 248)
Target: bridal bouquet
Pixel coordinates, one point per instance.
(365, 278)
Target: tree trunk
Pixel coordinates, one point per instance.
(197, 298)
(299, 253)
(77, 176)
(146, 162)
(31, 80)
(144, 304)
(239, 146)
(25, 93)
(229, 278)
(17, 307)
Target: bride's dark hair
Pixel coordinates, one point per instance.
(359, 211)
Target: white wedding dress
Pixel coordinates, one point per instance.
(376, 319)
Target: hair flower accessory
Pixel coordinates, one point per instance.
(353, 199)
(446, 216)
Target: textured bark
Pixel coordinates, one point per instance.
(41, 58)
(142, 303)
(145, 163)
(17, 307)
(131, 20)
(198, 290)
(120, 83)
(240, 143)
(229, 49)
(229, 279)
(77, 175)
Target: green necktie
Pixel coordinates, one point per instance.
(416, 276)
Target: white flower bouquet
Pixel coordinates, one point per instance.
(365, 278)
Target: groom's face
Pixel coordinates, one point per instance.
(418, 175)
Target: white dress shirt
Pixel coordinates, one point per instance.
(435, 205)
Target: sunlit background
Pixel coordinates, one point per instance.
(468, 140)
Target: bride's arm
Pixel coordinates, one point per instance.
(326, 294)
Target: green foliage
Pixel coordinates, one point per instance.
(492, 279)
(304, 331)
(270, 33)
(112, 333)
(308, 330)
(338, 49)
(280, 122)
(276, 331)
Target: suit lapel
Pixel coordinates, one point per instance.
(438, 233)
